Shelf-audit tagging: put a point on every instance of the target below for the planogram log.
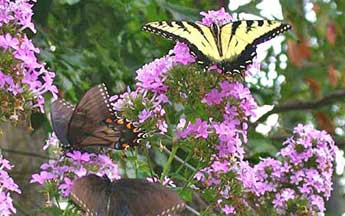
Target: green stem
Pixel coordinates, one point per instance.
(136, 162)
(170, 160)
(183, 162)
(149, 162)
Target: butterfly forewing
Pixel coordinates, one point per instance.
(238, 35)
(125, 197)
(86, 126)
(199, 37)
(61, 112)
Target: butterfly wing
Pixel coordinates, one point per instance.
(239, 40)
(91, 194)
(86, 127)
(60, 114)
(126, 197)
(144, 198)
(199, 37)
(232, 46)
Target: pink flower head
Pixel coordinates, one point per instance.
(42, 177)
(228, 210)
(66, 186)
(79, 156)
(7, 41)
(219, 17)
(65, 170)
(182, 54)
(7, 185)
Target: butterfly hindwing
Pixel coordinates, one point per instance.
(125, 197)
(86, 126)
(145, 198)
(90, 193)
(61, 113)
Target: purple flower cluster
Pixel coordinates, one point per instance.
(303, 173)
(18, 12)
(219, 17)
(7, 185)
(151, 76)
(65, 170)
(23, 75)
(150, 85)
(239, 105)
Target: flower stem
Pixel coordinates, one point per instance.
(183, 162)
(170, 160)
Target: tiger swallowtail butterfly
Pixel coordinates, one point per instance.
(97, 196)
(92, 123)
(232, 46)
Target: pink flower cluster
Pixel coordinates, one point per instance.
(151, 76)
(150, 84)
(239, 105)
(65, 170)
(304, 171)
(7, 185)
(219, 17)
(24, 74)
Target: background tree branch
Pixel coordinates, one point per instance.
(337, 95)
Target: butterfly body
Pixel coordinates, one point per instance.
(231, 46)
(129, 134)
(98, 196)
(92, 123)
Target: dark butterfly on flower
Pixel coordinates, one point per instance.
(92, 123)
(231, 46)
(97, 196)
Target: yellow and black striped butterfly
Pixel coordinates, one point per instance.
(92, 123)
(97, 196)
(231, 46)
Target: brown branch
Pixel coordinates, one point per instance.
(25, 153)
(301, 105)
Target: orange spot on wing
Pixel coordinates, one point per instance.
(108, 120)
(120, 121)
(125, 146)
(129, 125)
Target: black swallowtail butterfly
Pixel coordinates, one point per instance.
(93, 123)
(126, 197)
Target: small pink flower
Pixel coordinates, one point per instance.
(78, 156)
(66, 186)
(219, 17)
(42, 177)
(228, 210)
